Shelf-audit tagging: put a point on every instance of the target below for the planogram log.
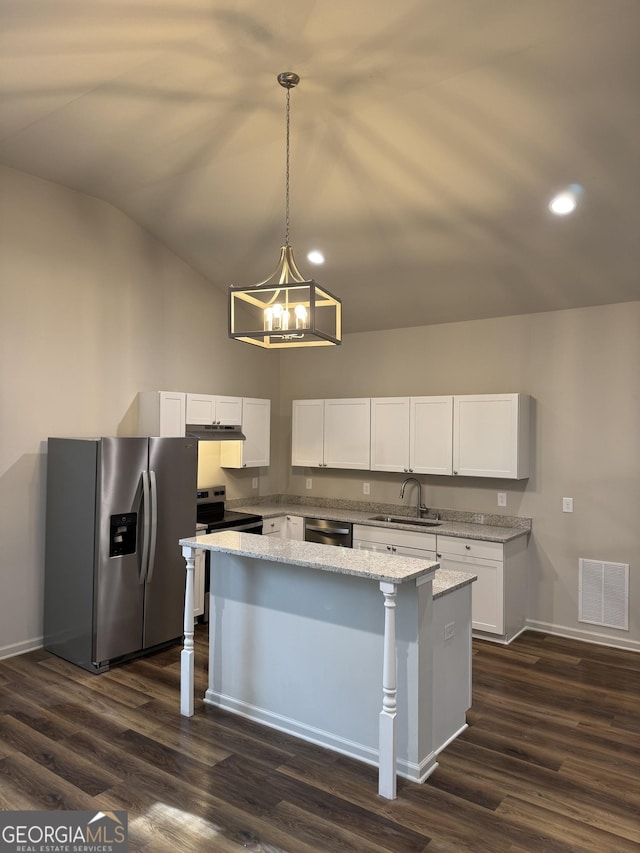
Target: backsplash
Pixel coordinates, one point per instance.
(384, 509)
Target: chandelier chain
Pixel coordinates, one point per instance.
(286, 208)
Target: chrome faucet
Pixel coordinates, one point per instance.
(420, 508)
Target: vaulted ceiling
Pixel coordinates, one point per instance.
(427, 138)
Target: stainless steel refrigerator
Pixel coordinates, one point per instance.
(114, 572)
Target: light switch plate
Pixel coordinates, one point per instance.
(366, 488)
(567, 504)
(502, 498)
(309, 483)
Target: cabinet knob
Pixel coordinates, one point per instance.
(439, 556)
(455, 472)
(468, 547)
(388, 547)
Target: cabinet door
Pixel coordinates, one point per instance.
(201, 409)
(254, 451)
(487, 595)
(273, 526)
(161, 413)
(256, 425)
(307, 432)
(229, 410)
(172, 413)
(390, 434)
(347, 433)
(431, 435)
(293, 528)
(490, 435)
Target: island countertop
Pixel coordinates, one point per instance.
(394, 569)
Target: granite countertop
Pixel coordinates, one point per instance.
(366, 564)
(448, 580)
(466, 529)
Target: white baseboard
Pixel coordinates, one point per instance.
(20, 648)
(610, 640)
(319, 737)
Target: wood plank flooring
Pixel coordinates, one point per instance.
(550, 761)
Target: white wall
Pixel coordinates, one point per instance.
(582, 368)
(92, 310)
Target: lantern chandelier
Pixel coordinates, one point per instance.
(285, 310)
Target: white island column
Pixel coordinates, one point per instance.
(387, 742)
(188, 650)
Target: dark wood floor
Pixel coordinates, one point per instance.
(550, 761)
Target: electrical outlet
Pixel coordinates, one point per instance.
(254, 483)
(567, 504)
(309, 483)
(366, 489)
(449, 630)
(502, 498)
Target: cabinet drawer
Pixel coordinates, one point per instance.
(272, 525)
(409, 538)
(470, 548)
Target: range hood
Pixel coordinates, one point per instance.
(215, 432)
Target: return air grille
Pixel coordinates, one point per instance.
(604, 593)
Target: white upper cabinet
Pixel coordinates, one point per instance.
(491, 435)
(331, 433)
(307, 433)
(390, 433)
(431, 435)
(347, 429)
(213, 409)
(412, 434)
(254, 452)
(161, 413)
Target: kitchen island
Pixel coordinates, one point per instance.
(332, 645)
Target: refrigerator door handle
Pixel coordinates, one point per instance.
(146, 526)
(153, 532)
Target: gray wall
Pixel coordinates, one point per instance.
(582, 368)
(93, 309)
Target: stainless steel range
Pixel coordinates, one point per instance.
(212, 514)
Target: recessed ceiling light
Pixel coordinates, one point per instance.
(315, 257)
(565, 202)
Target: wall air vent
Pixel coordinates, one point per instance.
(604, 593)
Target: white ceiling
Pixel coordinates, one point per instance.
(427, 139)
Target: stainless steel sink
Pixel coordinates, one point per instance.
(404, 519)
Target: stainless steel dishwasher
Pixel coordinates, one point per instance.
(328, 532)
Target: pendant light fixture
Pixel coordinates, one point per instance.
(285, 310)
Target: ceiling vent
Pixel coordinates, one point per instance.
(604, 593)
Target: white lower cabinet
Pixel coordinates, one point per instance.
(198, 584)
(294, 528)
(500, 593)
(389, 541)
(273, 526)
(285, 527)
